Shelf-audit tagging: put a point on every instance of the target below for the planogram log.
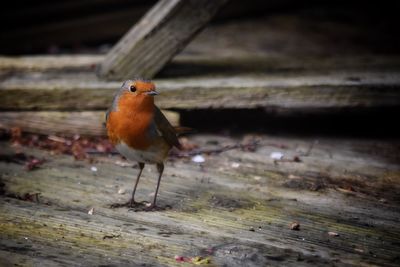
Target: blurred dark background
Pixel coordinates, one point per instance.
(76, 26)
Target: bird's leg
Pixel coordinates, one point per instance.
(160, 168)
(132, 202)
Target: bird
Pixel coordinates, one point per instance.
(140, 132)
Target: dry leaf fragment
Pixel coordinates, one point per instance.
(333, 234)
(33, 163)
(182, 259)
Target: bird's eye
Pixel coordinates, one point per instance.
(132, 88)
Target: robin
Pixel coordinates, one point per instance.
(139, 131)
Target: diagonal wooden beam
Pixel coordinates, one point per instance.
(157, 37)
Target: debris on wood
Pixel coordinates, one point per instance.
(235, 165)
(182, 258)
(294, 226)
(186, 144)
(31, 197)
(276, 155)
(123, 163)
(333, 234)
(79, 147)
(16, 135)
(198, 260)
(249, 147)
(111, 236)
(59, 139)
(121, 191)
(33, 163)
(295, 159)
(346, 189)
(91, 211)
(198, 159)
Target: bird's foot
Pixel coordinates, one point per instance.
(130, 204)
(150, 207)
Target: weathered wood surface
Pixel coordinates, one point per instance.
(48, 63)
(81, 90)
(285, 62)
(88, 123)
(157, 37)
(234, 208)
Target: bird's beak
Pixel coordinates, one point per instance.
(152, 92)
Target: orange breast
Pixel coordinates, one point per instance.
(131, 121)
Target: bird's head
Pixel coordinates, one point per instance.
(136, 94)
(139, 87)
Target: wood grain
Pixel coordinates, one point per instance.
(157, 37)
(88, 123)
(295, 91)
(235, 208)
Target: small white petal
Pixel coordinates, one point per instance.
(276, 155)
(198, 159)
(235, 165)
(121, 191)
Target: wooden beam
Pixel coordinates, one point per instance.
(88, 123)
(46, 63)
(297, 91)
(157, 37)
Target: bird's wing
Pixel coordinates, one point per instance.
(166, 129)
(106, 117)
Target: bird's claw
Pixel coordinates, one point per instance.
(150, 207)
(130, 204)
(140, 206)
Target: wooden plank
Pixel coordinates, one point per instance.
(46, 63)
(89, 123)
(157, 37)
(311, 91)
(235, 208)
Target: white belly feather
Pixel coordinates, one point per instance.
(153, 154)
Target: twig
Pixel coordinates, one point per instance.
(96, 152)
(111, 236)
(294, 159)
(251, 146)
(310, 148)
